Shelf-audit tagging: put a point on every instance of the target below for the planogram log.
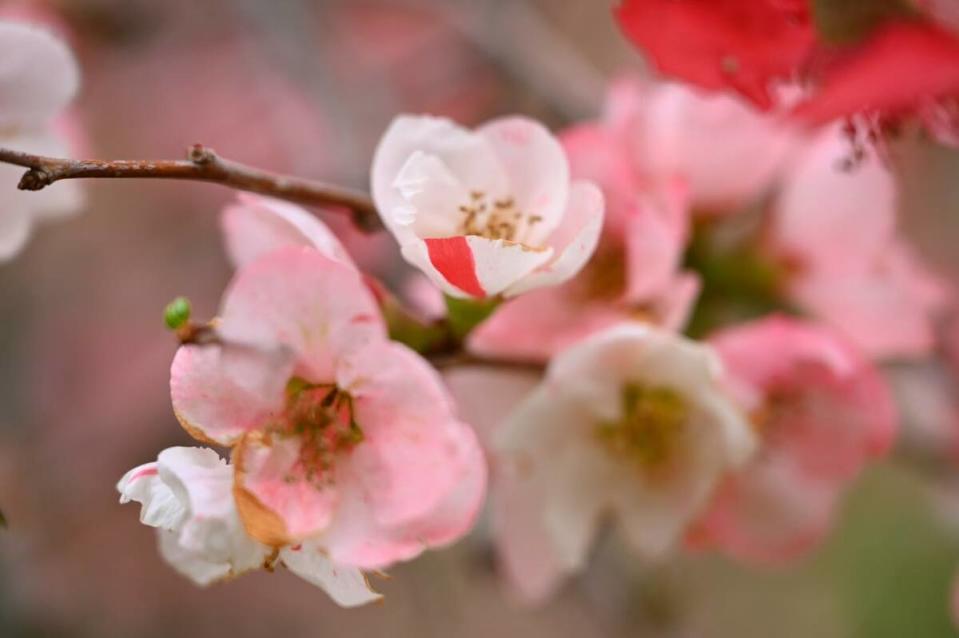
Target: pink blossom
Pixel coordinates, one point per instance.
(835, 227)
(821, 411)
(487, 212)
(187, 495)
(30, 103)
(725, 150)
(629, 422)
(341, 437)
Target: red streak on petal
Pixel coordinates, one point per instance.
(147, 471)
(454, 259)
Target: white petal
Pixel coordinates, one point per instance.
(500, 264)
(188, 494)
(160, 507)
(573, 242)
(537, 168)
(347, 586)
(38, 75)
(432, 195)
(474, 266)
(462, 154)
(254, 226)
(191, 564)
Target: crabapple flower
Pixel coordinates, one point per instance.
(630, 421)
(40, 78)
(187, 495)
(901, 67)
(341, 438)
(836, 230)
(821, 412)
(740, 45)
(487, 212)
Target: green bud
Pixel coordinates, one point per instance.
(177, 313)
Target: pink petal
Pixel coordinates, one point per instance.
(837, 416)
(279, 500)
(537, 168)
(534, 326)
(832, 220)
(746, 149)
(769, 515)
(418, 478)
(656, 234)
(38, 78)
(254, 226)
(299, 299)
(220, 393)
(573, 243)
(596, 153)
(890, 311)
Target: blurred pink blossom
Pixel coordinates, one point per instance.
(30, 104)
(726, 150)
(821, 411)
(488, 212)
(834, 226)
(630, 421)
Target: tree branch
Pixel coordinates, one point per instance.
(202, 164)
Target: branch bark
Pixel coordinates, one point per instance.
(204, 165)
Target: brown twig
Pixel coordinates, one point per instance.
(202, 164)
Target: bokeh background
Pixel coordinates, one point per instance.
(307, 86)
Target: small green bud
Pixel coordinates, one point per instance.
(177, 313)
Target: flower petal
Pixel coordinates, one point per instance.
(38, 76)
(463, 155)
(541, 323)
(831, 220)
(899, 65)
(573, 242)
(474, 266)
(279, 501)
(739, 44)
(187, 494)
(254, 225)
(537, 168)
(303, 300)
(347, 586)
(418, 478)
(220, 392)
(656, 234)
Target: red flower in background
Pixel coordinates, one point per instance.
(883, 58)
(741, 45)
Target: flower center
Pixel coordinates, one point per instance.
(495, 218)
(653, 420)
(322, 417)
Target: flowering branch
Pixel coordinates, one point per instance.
(201, 164)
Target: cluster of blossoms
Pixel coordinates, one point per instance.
(701, 292)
